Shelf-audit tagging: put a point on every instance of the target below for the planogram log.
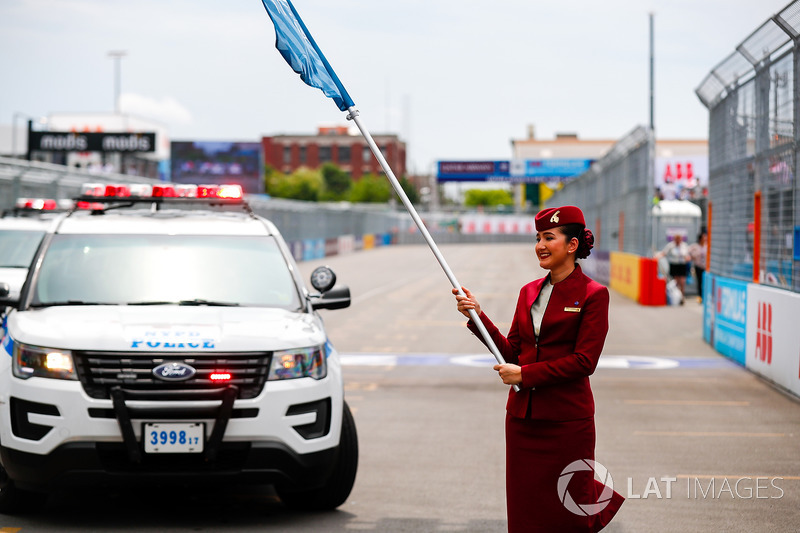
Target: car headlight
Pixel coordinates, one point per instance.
(298, 363)
(35, 361)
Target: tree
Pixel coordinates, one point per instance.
(371, 188)
(303, 184)
(336, 183)
(409, 189)
(487, 197)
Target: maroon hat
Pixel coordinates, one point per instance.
(559, 216)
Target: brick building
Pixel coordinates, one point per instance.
(351, 153)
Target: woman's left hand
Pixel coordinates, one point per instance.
(510, 374)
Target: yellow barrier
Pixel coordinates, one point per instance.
(625, 274)
(369, 241)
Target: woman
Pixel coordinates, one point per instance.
(677, 253)
(554, 343)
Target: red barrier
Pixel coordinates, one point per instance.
(652, 289)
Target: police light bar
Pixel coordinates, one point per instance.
(100, 192)
(42, 204)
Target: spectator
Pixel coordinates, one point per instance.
(677, 253)
(697, 252)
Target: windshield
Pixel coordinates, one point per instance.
(17, 247)
(162, 269)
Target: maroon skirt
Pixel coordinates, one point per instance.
(542, 493)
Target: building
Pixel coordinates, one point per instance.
(681, 165)
(336, 145)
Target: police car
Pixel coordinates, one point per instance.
(164, 335)
(21, 230)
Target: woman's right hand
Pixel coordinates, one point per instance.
(465, 302)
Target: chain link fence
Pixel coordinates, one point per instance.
(752, 97)
(615, 195)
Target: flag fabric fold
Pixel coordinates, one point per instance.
(294, 42)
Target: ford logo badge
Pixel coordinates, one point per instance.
(174, 371)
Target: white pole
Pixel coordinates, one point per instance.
(353, 115)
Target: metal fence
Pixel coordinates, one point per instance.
(296, 220)
(752, 97)
(615, 195)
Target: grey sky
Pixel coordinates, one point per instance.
(458, 79)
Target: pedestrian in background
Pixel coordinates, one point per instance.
(553, 346)
(697, 252)
(677, 253)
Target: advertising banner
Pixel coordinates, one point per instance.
(773, 338)
(57, 141)
(210, 162)
(729, 318)
(546, 170)
(708, 307)
(472, 170)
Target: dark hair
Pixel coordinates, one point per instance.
(584, 236)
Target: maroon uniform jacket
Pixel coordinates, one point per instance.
(556, 366)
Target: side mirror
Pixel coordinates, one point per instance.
(332, 299)
(5, 296)
(323, 279)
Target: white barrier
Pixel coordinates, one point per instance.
(773, 335)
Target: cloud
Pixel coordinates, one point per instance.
(167, 109)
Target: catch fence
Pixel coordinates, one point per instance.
(752, 98)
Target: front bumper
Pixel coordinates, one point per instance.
(93, 463)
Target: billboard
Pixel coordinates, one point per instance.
(66, 141)
(545, 170)
(472, 170)
(218, 162)
(516, 171)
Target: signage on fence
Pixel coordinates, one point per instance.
(545, 170)
(773, 339)
(67, 141)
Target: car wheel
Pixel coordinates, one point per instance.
(338, 486)
(12, 499)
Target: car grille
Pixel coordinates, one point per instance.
(99, 372)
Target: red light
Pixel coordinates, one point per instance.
(220, 376)
(164, 191)
(117, 190)
(207, 191)
(49, 204)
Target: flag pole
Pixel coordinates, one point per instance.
(353, 115)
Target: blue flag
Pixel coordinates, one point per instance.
(298, 48)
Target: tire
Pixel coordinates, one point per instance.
(338, 486)
(12, 499)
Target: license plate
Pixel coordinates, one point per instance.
(173, 438)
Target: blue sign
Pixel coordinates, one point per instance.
(472, 170)
(730, 318)
(549, 169)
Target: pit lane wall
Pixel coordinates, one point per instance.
(755, 326)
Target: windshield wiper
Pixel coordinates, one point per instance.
(196, 301)
(69, 302)
(200, 301)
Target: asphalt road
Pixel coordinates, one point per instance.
(695, 442)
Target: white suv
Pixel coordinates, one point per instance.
(168, 336)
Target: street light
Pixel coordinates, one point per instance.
(116, 55)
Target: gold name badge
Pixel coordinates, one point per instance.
(572, 309)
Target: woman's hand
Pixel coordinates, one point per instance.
(465, 303)
(510, 374)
